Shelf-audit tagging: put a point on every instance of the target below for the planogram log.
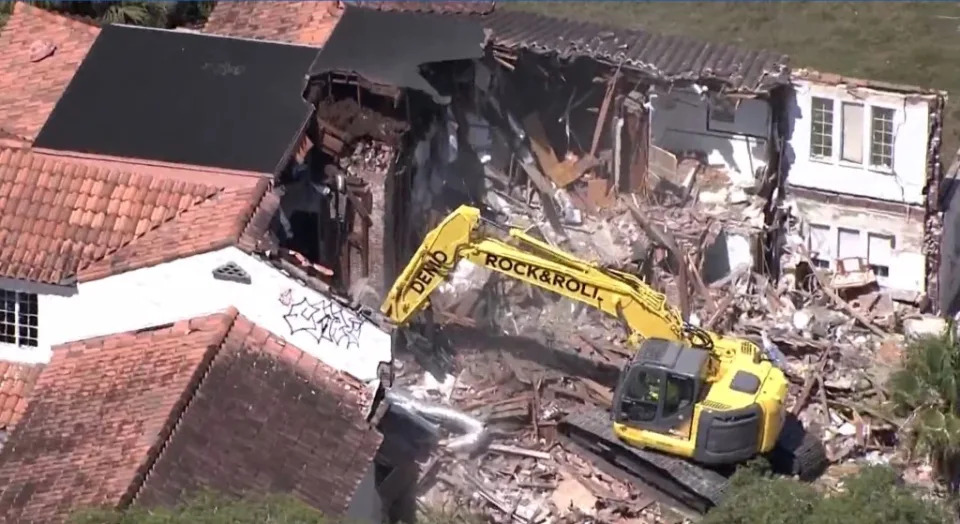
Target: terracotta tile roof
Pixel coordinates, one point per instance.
(31, 78)
(211, 402)
(99, 412)
(16, 383)
(262, 400)
(60, 220)
(308, 23)
(475, 7)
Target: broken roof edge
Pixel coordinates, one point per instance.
(638, 50)
(416, 34)
(813, 75)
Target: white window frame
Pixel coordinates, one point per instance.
(836, 140)
(860, 248)
(875, 267)
(815, 258)
(871, 143)
(831, 104)
(21, 318)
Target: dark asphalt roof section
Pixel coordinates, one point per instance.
(388, 47)
(662, 57)
(184, 98)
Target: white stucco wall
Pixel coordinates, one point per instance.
(904, 183)
(907, 266)
(186, 288)
(679, 122)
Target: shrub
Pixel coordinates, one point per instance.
(924, 390)
(211, 508)
(872, 496)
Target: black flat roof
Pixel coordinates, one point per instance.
(388, 47)
(185, 98)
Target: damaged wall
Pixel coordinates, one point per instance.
(892, 242)
(684, 121)
(822, 158)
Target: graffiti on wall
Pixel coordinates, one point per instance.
(323, 320)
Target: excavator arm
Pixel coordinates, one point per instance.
(646, 312)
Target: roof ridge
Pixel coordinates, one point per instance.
(179, 409)
(178, 214)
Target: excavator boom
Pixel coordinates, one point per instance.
(645, 311)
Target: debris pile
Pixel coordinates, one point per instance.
(522, 472)
(694, 231)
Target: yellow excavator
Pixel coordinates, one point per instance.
(687, 406)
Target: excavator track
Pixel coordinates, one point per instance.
(691, 487)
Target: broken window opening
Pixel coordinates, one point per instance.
(820, 246)
(851, 142)
(231, 271)
(821, 130)
(879, 253)
(722, 110)
(881, 138)
(18, 318)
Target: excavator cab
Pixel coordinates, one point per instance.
(659, 396)
(662, 403)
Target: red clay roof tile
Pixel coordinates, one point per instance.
(16, 383)
(41, 52)
(60, 219)
(310, 23)
(236, 407)
(100, 411)
(307, 23)
(475, 7)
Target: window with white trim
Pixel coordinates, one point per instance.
(881, 137)
(851, 142)
(880, 253)
(821, 129)
(18, 318)
(820, 246)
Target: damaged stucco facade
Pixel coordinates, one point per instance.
(865, 173)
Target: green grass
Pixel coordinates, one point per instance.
(910, 43)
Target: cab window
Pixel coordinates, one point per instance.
(643, 396)
(678, 394)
